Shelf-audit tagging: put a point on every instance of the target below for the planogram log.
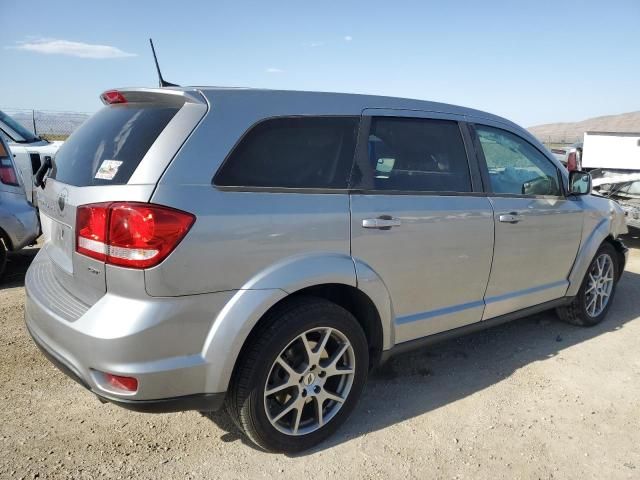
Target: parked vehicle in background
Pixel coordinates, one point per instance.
(264, 249)
(570, 156)
(29, 151)
(611, 151)
(614, 161)
(19, 224)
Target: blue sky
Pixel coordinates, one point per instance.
(533, 62)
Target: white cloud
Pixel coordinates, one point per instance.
(273, 70)
(348, 38)
(52, 46)
(316, 44)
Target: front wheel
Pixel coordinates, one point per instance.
(595, 296)
(300, 377)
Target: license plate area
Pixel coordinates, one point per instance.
(58, 241)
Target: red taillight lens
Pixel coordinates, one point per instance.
(136, 235)
(118, 382)
(572, 162)
(112, 96)
(7, 173)
(91, 230)
(143, 235)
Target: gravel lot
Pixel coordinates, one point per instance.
(531, 399)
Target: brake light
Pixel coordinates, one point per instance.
(8, 173)
(112, 96)
(129, 234)
(572, 161)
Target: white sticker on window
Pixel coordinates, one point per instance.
(108, 169)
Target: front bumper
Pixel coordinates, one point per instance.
(157, 341)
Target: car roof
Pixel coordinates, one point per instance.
(348, 101)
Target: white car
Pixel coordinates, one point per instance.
(29, 150)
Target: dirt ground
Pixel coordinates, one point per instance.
(531, 399)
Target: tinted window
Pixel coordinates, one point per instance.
(516, 166)
(417, 155)
(108, 147)
(297, 152)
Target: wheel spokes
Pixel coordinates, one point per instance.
(600, 285)
(296, 399)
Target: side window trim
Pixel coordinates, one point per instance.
(477, 180)
(484, 169)
(362, 168)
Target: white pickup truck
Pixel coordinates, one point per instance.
(28, 149)
(614, 161)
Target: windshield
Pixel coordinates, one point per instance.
(15, 131)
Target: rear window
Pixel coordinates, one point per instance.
(108, 147)
(293, 152)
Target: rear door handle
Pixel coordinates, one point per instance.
(512, 217)
(383, 222)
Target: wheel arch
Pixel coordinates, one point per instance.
(332, 277)
(599, 235)
(621, 250)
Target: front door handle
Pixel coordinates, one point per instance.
(383, 222)
(511, 217)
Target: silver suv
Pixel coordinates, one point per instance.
(264, 249)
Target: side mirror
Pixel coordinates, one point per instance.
(579, 183)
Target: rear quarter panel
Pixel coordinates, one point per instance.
(238, 236)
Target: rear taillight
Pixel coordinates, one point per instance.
(572, 161)
(135, 235)
(8, 173)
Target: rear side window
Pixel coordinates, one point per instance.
(108, 147)
(418, 155)
(293, 152)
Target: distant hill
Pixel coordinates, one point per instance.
(570, 131)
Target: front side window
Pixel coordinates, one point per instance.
(293, 152)
(417, 155)
(515, 166)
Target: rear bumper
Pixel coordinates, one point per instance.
(157, 341)
(204, 402)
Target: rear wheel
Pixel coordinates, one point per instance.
(595, 296)
(301, 377)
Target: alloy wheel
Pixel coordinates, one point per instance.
(599, 285)
(309, 381)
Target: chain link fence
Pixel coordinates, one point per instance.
(49, 124)
(556, 141)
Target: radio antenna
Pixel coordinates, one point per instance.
(161, 81)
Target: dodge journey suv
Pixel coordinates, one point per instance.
(262, 250)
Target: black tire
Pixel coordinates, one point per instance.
(245, 399)
(576, 312)
(3, 258)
